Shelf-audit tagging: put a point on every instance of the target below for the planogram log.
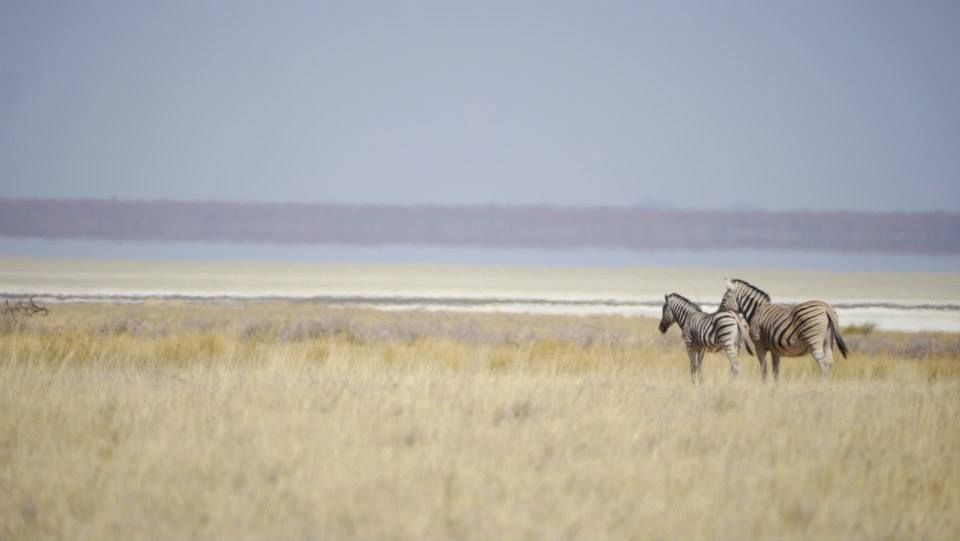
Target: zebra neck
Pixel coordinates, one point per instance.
(749, 302)
(682, 312)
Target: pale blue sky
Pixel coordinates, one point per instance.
(776, 105)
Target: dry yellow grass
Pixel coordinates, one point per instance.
(294, 421)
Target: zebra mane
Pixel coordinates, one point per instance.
(753, 288)
(685, 301)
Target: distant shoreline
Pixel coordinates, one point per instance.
(413, 300)
(416, 254)
(891, 316)
(629, 228)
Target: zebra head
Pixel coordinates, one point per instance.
(666, 317)
(730, 300)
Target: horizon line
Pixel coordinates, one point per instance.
(657, 207)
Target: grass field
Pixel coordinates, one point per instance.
(293, 420)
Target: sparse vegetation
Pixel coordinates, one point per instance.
(294, 420)
(22, 308)
(865, 329)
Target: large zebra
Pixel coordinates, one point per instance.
(702, 332)
(786, 330)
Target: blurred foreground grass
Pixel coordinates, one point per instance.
(294, 420)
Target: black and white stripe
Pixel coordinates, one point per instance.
(786, 330)
(722, 330)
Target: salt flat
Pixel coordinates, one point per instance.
(892, 300)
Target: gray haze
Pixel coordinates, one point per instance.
(715, 104)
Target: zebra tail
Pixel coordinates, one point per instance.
(745, 340)
(832, 318)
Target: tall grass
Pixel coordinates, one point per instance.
(292, 421)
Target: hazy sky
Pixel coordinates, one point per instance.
(772, 105)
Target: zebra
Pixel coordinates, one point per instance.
(786, 330)
(702, 332)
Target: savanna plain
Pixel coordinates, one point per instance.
(296, 420)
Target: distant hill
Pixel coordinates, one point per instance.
(488, 226)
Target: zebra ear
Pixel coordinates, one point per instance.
(730, 285)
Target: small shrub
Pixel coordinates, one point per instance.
(864, 329)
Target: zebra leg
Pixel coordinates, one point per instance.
(828, 355)
(733, 357)
(775, 361)
(692, 354)
(762, 359)
(700, 366)
(821, 359)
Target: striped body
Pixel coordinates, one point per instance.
(786, 330)
(723, 330)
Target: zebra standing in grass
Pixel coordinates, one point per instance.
(702, 332)
(786, 330)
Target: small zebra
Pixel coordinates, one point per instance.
(786, 330)
(702, 332)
